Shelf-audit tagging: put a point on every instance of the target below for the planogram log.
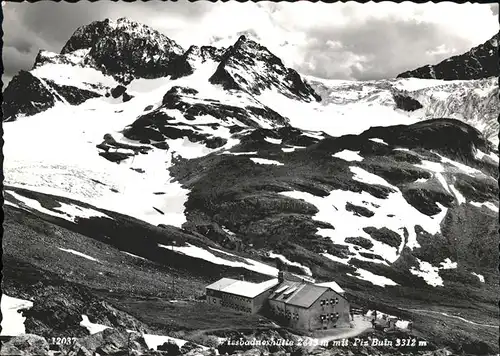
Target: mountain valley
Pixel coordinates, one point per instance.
(138, 172)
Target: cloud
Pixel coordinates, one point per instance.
(373, 41)
(341, 40)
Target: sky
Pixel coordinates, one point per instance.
(334, 41)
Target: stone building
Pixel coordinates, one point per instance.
(294, 301)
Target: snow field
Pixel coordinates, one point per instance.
(332, 210)
(12, 320)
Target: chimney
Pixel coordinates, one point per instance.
(281, 277)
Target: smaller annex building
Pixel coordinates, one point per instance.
(240, 295)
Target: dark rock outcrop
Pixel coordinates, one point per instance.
(73, 95)
(384, 235)
(109, 149)
(360, 241)
(26, 95)
(118, 91)
(406, 103)
(359, 210)
(174, 99)
(125, 49)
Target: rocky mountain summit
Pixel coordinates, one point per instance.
(480, 62)
(124, 48)
(251, 67)
(158, 170)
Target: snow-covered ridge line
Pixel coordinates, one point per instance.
(203, 254)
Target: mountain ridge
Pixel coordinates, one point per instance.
(477, 63)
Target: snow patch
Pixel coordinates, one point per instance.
(373, 278)
(91, 327)
(480, 276)
(428, 272)
(131, 255)
(478, 154)
(488, 205)
(460, 198)
(240, 153)
(344, 261)
(78, 254)
(198, 252)
(448, 264)
(12, 320)
(369, 178)
(347, 155)
(229, 232)
(286, 261)
(378, 140)
(266, 161)
(273, 140)
(153, 341)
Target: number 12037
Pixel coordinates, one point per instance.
(63, 340)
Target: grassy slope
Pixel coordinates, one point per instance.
(35, 269)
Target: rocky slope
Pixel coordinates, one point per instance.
(480, 62)
(146, 186)
(251, 67)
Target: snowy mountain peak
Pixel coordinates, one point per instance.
(251, 67)
(124, 48)
(480, 62)
(88, 35)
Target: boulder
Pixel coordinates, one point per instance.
(118, 91)
(109, 342)
(25, 345)
(171, 348)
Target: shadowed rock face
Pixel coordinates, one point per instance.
(406, 103)
(479, 62)
(26, 95)
(29, 95)
(87, 36)
(251, 67)
(73, 95)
